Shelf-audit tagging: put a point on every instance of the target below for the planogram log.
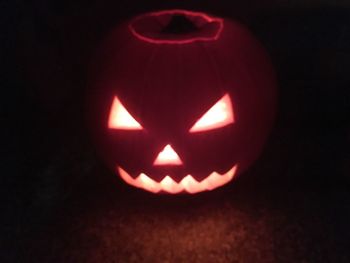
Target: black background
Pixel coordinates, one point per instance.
(60, 204)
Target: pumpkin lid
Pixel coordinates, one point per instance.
(176, 27)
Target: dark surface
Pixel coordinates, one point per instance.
(60, 204)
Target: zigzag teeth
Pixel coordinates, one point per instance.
(170, 186)
(191, 185)
(187, 184)
(152, 185)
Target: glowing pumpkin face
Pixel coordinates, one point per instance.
(181, 101)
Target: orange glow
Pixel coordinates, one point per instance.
(120, 118)
(168, 157)
(220, 115)
(188, 184)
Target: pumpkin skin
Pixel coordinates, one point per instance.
(167, 69)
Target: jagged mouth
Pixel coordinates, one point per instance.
(188, 184)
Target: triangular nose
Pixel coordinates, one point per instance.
(168, 157)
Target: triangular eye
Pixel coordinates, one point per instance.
(120, 118)
(219, 115)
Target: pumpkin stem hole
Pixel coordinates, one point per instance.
(179, 24)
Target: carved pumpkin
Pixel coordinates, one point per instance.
(180, 101)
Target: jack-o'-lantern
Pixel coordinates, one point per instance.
(180, 101)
